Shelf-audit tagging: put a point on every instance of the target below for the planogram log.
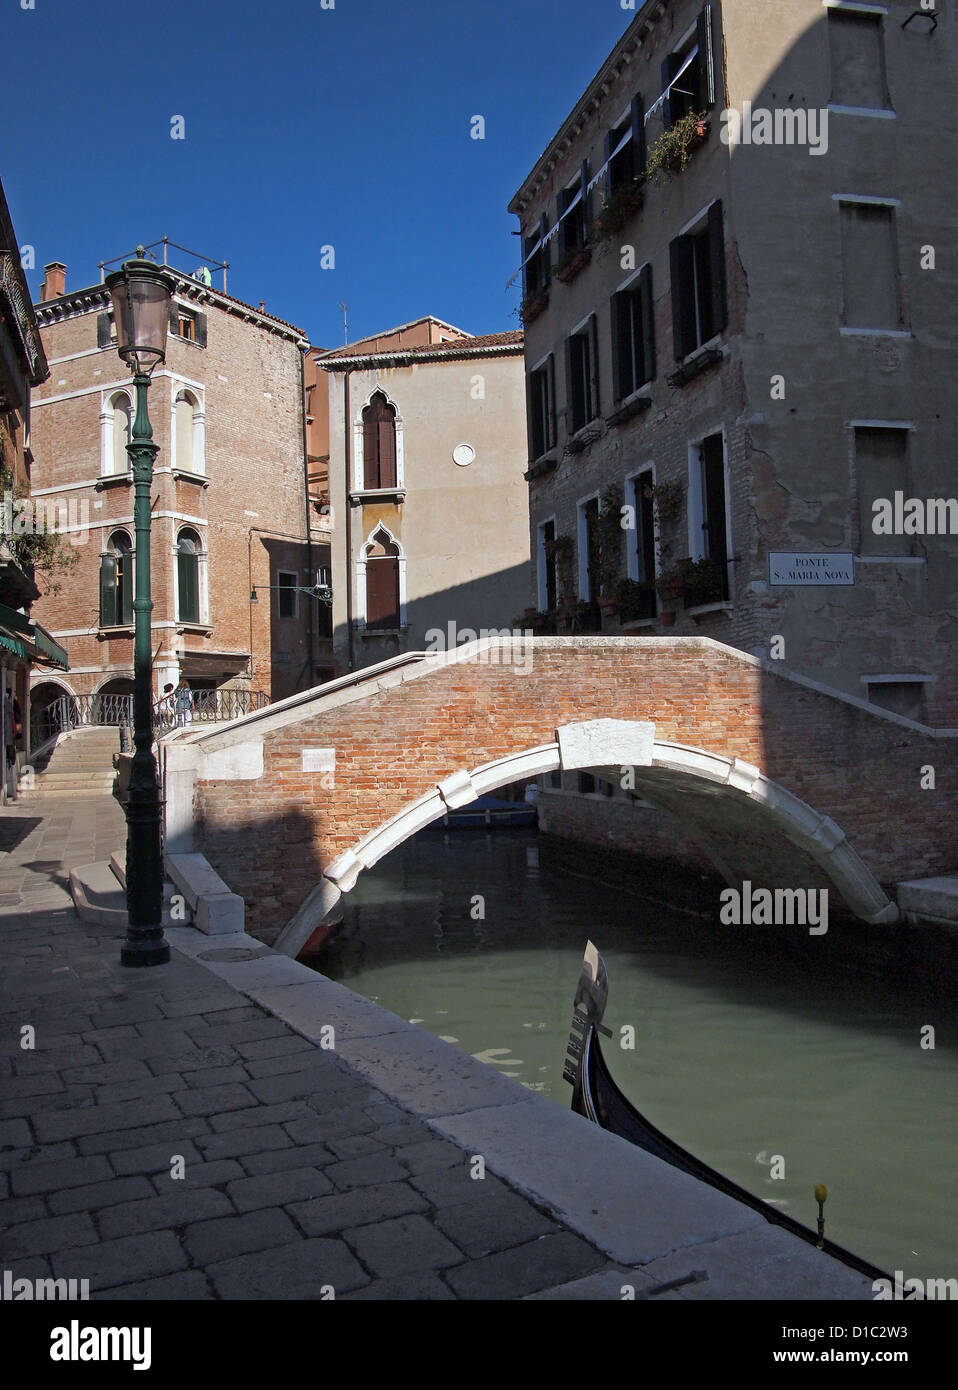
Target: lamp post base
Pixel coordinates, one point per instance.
(149, 951)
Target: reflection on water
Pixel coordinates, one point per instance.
(750, 1043)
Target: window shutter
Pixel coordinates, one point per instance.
(618, 383)
(648, 323)
(682, 307)
(382, 592)
(125, 600)
(370, 450)
(586, 202)
(719, 305)
(546, 256)
(200, 329)
(186, 573)
(387, 452)
(103, 330)
(670, 67)
(639, 154)
(174, 318)
(594, 366)
(570, 385)
(706, 63)
(608, 148)
(107, 590)
(551, 402)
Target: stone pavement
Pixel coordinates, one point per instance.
(181, 1132)
(298, 1175)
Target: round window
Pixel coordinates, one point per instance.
(463, 455)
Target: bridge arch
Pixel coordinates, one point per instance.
(675, 777)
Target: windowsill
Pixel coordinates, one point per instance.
(381, 631)
(546, 463)
(183, 475)
(890, 560)
(702, 610)
(585, 435)
(112, 480)
(632, 405)
(116, 630)
(634, 624)
(698, 361)
(204, 629)
(377, 494)
(883, 112)
(191, 341)
(875, 332)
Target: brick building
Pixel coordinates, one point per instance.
(230, 508)
(735, 328)
(422, 469)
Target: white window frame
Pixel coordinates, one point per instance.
(178, 387)
(541, 561)
(632, 500)
(696, 499)
(583, 588)
(360, 574)
(359, 469)
(108, 399)
(202, 576)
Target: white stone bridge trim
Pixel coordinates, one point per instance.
(603, 745)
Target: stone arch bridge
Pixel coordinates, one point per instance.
(780, 780)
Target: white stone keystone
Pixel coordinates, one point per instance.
(606, 743)
(457, 790)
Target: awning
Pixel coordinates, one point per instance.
(50, 647)
(12, 643)
(212, 665)
(42, 647)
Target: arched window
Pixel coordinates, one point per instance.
(379, 443)
(116, 581)
(188, 577)
(189, 433)
(382, 582)
(122, 430)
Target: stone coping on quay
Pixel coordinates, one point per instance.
(635, 1208)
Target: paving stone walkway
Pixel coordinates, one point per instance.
(167, 1139)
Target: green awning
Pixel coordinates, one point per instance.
(50, 647)
(10, 618)
(13, 644)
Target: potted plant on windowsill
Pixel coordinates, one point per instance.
(572, 262)
(705, 582)
(674, 148)
(533, 304)
(616, 211)
(636, 599)
(671, 588)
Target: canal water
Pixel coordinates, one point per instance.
(763, 1050)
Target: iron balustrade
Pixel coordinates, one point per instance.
(115, 711)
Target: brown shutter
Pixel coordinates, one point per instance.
(718, 308)
(387, 450)
(370, 449)
(648, 323)
(382, 592)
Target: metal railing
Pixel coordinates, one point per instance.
(205, 707)
(113, 711)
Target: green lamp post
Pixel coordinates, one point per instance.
(141, 294)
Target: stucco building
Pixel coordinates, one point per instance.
(426, 455)
(749, 349)
(230, 496)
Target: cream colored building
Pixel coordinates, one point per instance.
(427, 451)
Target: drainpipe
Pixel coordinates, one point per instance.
(349, 527)
(310, 614)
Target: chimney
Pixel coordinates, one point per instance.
(54, 281)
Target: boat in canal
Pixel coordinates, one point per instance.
(596, 1096)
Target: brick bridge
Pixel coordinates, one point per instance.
(778, 779)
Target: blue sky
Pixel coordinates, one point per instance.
(304, 127)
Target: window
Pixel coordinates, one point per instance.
(188, 577)
(881, 470)
(536, 267)
(122, 431)
(871, 286)
(633, 335)
(189, 434)
(699, 308)
(625, 153)
(547, 575)
(582, 375)
(542, 420)
(691, 90)
(573, 205)
(641, 559)
(382, 582)
(901, 695)
(857, 48)
(116, 582)
(587, 783)
(708, 513)
(188, 324)
(286, 595)
(379, 443)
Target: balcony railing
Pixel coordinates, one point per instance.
(82, 711)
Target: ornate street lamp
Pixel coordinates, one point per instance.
(141, 294)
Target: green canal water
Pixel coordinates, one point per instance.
(756, 1048)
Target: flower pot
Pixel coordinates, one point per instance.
(667, 617)
(570, 269)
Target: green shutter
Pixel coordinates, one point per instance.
(648, 324)
(108, 591)
(186, 573)
(125, 601)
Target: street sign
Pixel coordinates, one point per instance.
(802, 568)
